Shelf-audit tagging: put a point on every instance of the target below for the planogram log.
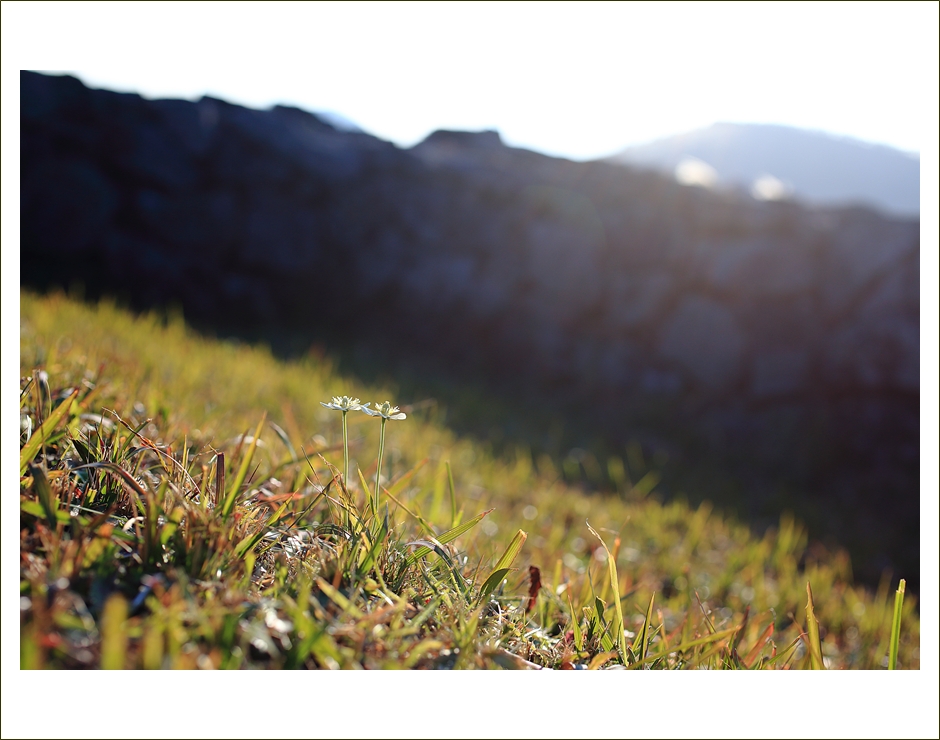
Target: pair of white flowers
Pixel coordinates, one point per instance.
(384, 411)
(346, 404)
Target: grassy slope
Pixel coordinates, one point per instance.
(173, 588)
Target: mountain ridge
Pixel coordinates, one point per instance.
(821, 169)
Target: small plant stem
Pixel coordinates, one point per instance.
(453, 496)
(896, 626)
(378, 469)
(345, 451)
(345, 466)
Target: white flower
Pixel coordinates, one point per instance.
(344, 403)
(385, 410)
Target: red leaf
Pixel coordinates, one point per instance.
(535, 583)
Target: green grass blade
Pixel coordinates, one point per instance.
(707, 640)
(433, 545)
(347, 605)
(618, 626)
(448, 536)
(219, 479)
(646, 484)
(751, 657)
(45, 431)
(708, 621)
(576, 627)
(503, 565)
(812, 631)
(139, 493)
(285, 440)
(24, 393)
(598, 660)
(49, 503)
(733, 647)
(230, 497)
(34, 508)
(248, 543)
(370, 556)
(785, 652)
(453, 496)
(122, 452)
(896, 626)
(365, 487)
(602, 626)
(515, 545)
(114, 634)
(639, 648)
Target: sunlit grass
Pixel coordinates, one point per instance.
(185, 503)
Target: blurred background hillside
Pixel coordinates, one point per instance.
(737, 304)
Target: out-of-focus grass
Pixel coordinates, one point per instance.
(143, 546)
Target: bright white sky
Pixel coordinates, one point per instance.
(578, 80)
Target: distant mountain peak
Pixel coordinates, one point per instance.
(486, 139)
(772, 161)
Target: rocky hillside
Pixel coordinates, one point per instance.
(781, 339)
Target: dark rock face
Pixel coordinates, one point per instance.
(785, 336)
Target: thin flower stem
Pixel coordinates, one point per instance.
(378, 469)
(345, 467)
(345, 452)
